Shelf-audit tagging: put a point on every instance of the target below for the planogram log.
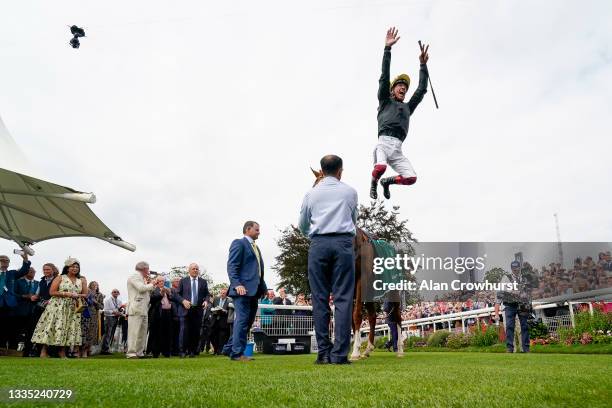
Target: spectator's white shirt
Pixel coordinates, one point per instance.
(111, 305)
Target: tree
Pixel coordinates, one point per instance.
(494, 275)
(181, 272)
(216, 288)
(291, 264)
(385, 224)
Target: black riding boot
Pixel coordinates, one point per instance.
(373, 188)
(386, 182)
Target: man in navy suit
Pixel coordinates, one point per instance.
(26, 289)
(245, 269)
(8, 300)
(191, 295)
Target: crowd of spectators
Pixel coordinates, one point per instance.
(438, 308)
(61, 315)
(23, 301)
(586, 274)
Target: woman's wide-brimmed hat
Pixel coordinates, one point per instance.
(71, 261)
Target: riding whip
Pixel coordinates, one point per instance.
(429, 77)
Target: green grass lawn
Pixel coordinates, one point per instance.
(548, 348)
(383, 380)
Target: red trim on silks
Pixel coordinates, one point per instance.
(379, 170)
(407, 181)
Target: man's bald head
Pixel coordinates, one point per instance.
(331, 165)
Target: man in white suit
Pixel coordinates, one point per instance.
(139, 288)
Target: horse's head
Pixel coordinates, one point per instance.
(318, 176)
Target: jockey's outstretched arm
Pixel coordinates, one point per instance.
(421, 90)
(384, 92)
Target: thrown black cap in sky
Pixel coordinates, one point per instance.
(76, 33)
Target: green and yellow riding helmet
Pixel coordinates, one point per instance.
(401, 79)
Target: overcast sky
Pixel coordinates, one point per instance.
(188, 118)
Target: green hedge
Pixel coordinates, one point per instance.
(487, 338)
(599, 321)
(438, 339)
(415, 341)
(458, 340)
(379, 343)
(596, 329)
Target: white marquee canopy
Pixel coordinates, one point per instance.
(34, 210)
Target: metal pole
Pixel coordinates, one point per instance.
(88, 198)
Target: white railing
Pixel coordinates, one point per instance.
(553, 323)
(294, 320)
(286, 321)
(556, 322)
(282, 320)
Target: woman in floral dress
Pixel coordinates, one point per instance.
(89, 320)
(60, 324)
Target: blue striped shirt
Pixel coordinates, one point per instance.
(329, 207)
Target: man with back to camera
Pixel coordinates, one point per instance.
(393, 120)
(245, 269)
(328, 217)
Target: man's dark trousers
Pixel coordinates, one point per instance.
(331, 269)
(245, 311)
(110, 324)
(220, 333)
(510, 312)
(189, 341)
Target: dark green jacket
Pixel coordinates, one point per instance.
(394, 116)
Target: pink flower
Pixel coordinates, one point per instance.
(586, 338)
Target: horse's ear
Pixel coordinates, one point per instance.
(316, 173)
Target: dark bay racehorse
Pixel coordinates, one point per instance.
(364, 278)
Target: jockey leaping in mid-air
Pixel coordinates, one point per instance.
(393, 119)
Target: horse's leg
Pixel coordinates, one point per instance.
(400, 339)
(371, 310)
(355, 355)
(357, 318)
